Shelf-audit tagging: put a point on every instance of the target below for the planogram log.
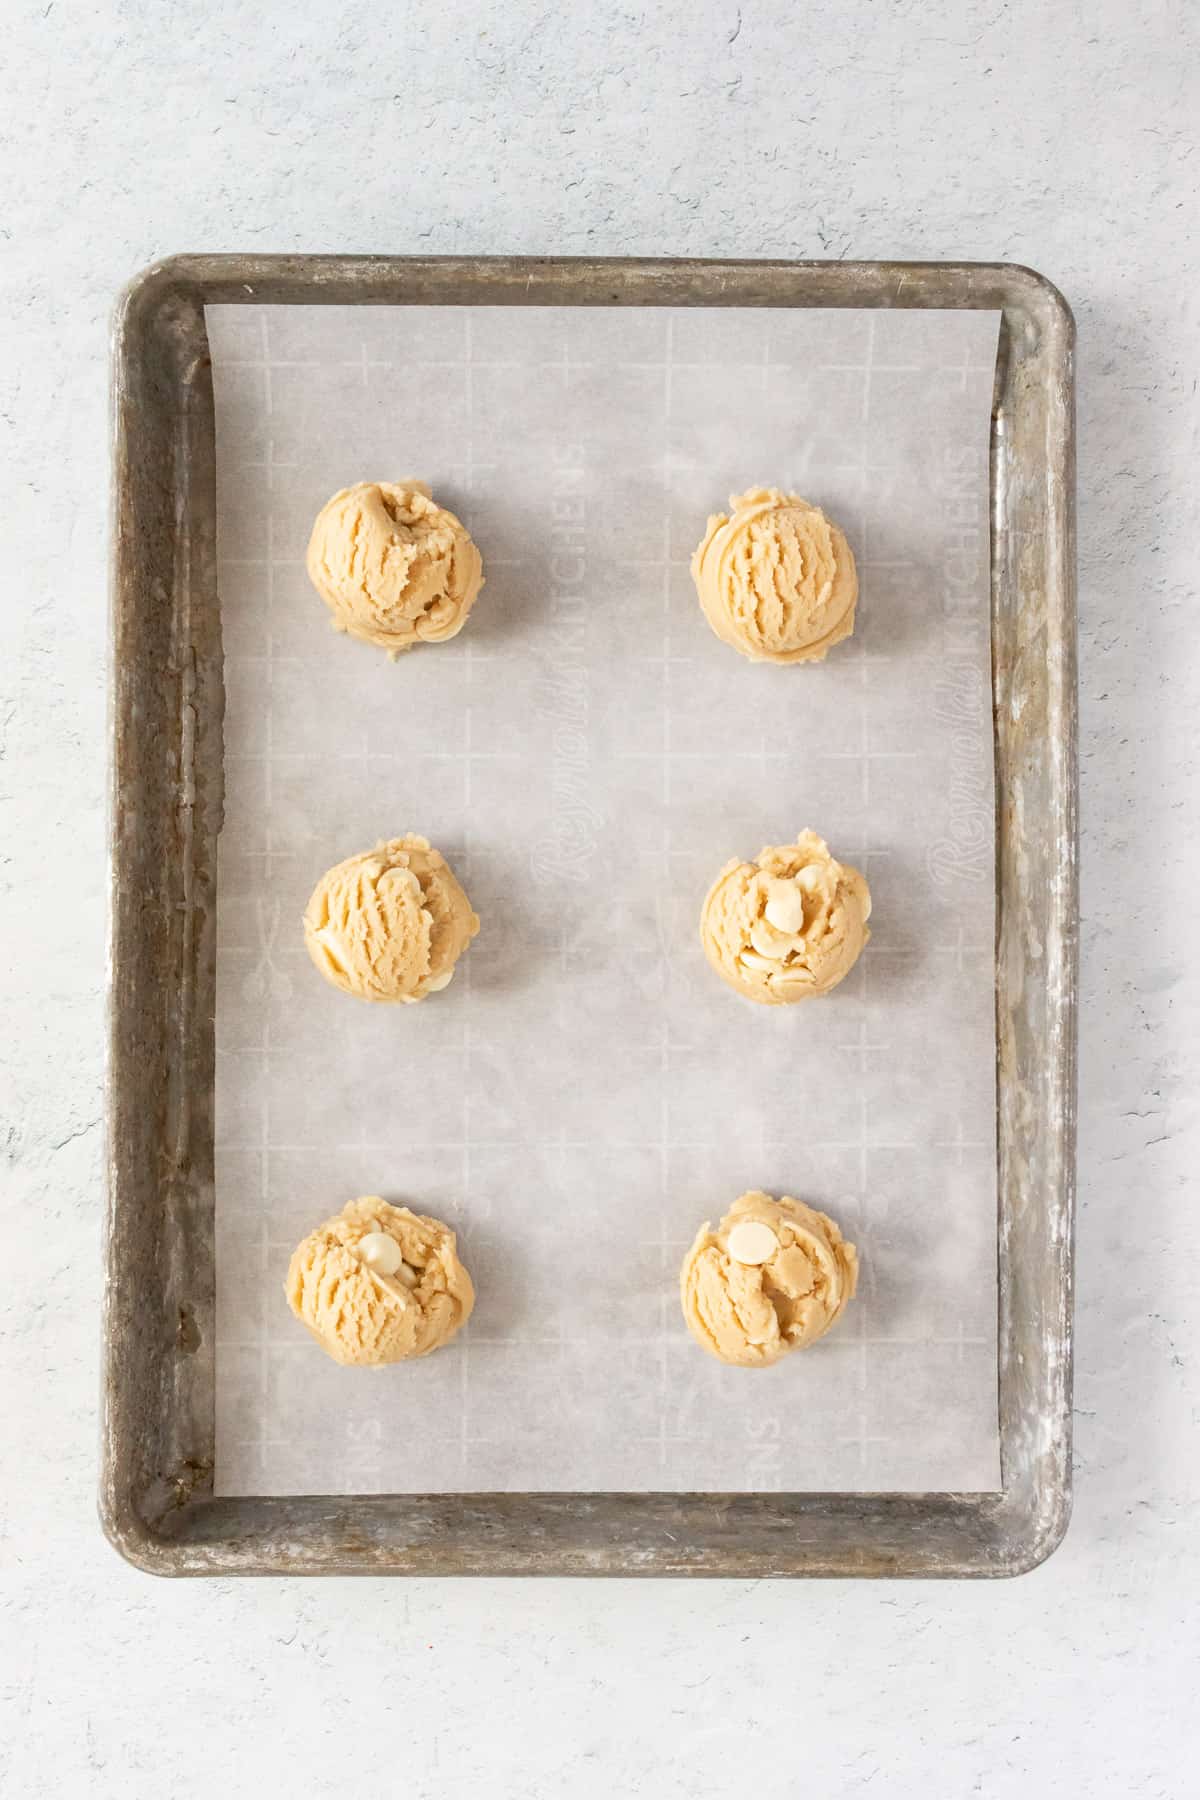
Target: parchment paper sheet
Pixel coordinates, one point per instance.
(587, 755)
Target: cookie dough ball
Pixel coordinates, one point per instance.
(394, 567)
(773, 1277)
(389, 924)
(776, 578)
(378, 1284)
(787, 926)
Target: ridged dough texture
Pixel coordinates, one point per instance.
(389, 924)
(393, 567)
(753, 1314)
(788, 926)
(776, 578)
(363, 1318)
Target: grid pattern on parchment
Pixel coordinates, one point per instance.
(586, 1093)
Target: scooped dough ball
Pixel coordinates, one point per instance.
(787, 926)
(394, 567)
(378, 1284)
(389, 924)
(776, 578)
(773, 1277)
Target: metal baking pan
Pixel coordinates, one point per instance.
(156, 1497)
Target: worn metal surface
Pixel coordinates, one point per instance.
(156, 1498)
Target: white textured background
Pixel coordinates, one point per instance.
(1043, 132)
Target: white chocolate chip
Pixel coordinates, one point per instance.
(438, 982)
(407, 1275)
(809, 878)
(767, 941)
(785, 906)
(756, 964)
(380, 1251)
(796, 975)
(752, 1242)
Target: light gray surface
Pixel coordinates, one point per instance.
(929, 131)
(587, 1073)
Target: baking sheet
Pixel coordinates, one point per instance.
(587, 755)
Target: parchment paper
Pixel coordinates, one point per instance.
(587, 755)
